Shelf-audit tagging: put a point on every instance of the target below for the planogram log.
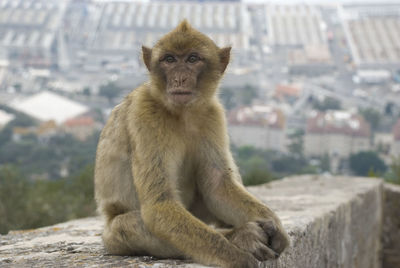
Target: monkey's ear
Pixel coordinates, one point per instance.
(147, 56)
(224, 56)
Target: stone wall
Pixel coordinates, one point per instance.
(391, 227)
(332, 222)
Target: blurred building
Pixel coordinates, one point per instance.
(396, 139)
(197, 0)
(80, 127)
(312, 60)
(111, 33)
(4, 64)
(383, 143)
(295, 26)
(372, 76)
(259, 126)
(373, 34)
(301, 30)
(47, 106)
(336, 133)
(43, 131)
(28, 30)
(5, 118)
(288, 91)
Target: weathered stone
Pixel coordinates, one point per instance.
(332, 222)
(391, 226)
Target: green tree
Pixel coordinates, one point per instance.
(231, 97)
(86, 91)
(364, 163)
(296, 145)
(325, 164)
(329, 103)
(255, 171)
(45, 159)
(5, 135)
(372, 116)
(32, 204)
(260, 166)
(110, 91)
(289, 164)
(393, 175)
(17, 87)
(227, 97)
(247, 94)
(245, 152)
(82, 193)
(389, 107)
(20, 120)
(257, 176)
(253, 165)
(13, 192)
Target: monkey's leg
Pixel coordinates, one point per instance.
(126, 235)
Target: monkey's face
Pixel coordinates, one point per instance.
(181, 73)
(185, 65)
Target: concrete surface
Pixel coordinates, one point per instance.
(332, 222)
(391, 227)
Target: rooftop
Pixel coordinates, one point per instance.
(373, 33)
(46, 106)
(257, 115)
(289, 90)
(5, 118)
(295, 25)
(29, 23)
(338, 122)
(124, 25)
(79, 121)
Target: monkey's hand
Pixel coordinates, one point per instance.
(278, 239)
(263, 239)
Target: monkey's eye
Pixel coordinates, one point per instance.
(169, 58)
(193, 58)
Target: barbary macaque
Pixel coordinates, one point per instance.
(165, 179)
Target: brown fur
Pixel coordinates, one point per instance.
(164, 170)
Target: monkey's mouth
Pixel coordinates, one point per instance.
(181, 96)
(181, 92)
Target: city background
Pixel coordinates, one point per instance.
(312, 89)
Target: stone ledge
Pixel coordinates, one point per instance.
(391, 227)
(332, 222)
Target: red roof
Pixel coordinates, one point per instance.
(291, 90)
(79, 121)
(338, 122)
(257, 116)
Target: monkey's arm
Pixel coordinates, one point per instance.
(229, 201)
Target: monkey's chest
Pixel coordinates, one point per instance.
(187, 193)
(186, 184)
